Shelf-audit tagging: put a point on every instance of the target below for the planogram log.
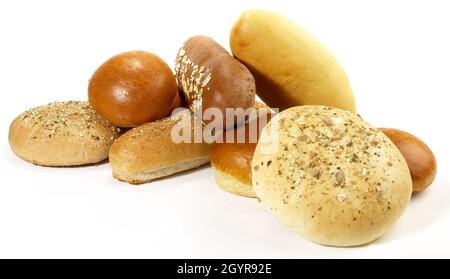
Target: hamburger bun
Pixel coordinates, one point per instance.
(330, 176)
(133, 88)
(62, 134)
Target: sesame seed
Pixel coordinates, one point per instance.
(340, 178)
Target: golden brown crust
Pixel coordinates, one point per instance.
(233, 159)
(419, 157)
(178, 101)
(230, 184)
(330, 176)
(62, 134)
(133, 88)
(290, 66)
(210, 77)
(148, 152)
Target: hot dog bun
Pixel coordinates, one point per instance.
(148, 151)
(290, 66)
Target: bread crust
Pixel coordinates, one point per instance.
(421, 161)
(232, 160)
(232, 185)
(211, 78)
(333, 178)
(133, 88)
(148, 152)
(62, 134)
(290, 66)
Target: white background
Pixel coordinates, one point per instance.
(396, 54)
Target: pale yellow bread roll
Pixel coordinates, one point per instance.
(290, 66)
(62, 134)
(332, 177)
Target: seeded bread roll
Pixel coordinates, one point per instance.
(211, 78)
(153, 150)
(330, 176)
(62, 134)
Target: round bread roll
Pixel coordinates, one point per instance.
(62, 134)
(330, 176)
(133, 88)
(232, 159)
(421, 161)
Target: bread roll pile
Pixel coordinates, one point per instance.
(317, 165)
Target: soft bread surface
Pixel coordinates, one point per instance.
(290, 66)
(230, 184)
(62, 134)
(332, 177)
(148, 152)
(232, 160)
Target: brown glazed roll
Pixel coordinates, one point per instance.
(133, 88)
(419, 157)
(232, 160)
(211, 78)
(178, 101)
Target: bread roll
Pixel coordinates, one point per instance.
(211, 78)
(290, 66)
(330, 176)
(62, 134)
(148, 151)
(419, 157)
(178, 101)
(231, 159)
(133, 88)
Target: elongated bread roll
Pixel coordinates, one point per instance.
(290, 66)
(211, 78)
(149, 151)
